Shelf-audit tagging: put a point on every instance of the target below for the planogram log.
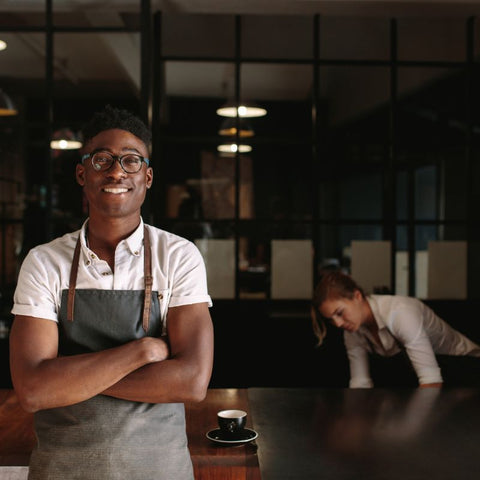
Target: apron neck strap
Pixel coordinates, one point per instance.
(147, 272)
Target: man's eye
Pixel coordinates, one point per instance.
(131, 160)
(102, 158)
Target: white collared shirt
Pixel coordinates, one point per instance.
(404, 323)
(178, 272)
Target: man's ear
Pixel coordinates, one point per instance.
(80, 174)
(149, 177)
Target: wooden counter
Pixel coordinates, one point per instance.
(374, 434)
(210, 461)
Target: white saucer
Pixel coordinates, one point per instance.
(245, 436)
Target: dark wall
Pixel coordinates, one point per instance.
(271, 344)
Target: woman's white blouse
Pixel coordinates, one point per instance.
(404, 323)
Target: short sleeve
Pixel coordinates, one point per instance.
(189, 278)
(34, 295)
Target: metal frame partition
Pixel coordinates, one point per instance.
(152, 99)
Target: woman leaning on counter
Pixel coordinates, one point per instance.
(385, 325)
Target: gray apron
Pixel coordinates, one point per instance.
(104, 437)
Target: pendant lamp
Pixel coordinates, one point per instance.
(245, 110)
(228, 128)
(65, 139)
(7, 107)
(234, 148)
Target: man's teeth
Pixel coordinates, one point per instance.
(115, 190)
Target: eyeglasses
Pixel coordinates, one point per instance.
(102, 161)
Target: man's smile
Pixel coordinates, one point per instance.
(115, 190)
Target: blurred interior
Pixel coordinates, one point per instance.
(367, 158)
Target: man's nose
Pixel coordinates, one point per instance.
(116, 169)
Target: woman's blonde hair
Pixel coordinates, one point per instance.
(332, 284)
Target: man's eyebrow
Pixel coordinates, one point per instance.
(124, 149)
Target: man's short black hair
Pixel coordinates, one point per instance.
(111, 118)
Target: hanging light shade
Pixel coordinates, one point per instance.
(233, 148)
(7, 107)
(228, 128)
(245, 110)
(65, 139)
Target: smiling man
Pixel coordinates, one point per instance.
(112, 332)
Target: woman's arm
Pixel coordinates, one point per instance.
(358, 360)
(407, 327)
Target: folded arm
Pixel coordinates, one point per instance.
(185, 375)
(43, 380)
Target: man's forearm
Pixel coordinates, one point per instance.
(62, 381)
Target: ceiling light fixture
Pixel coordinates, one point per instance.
(234, 148)
(7, 107)
(245, 110)
(228, 128)
(65, 139)
(3, 45)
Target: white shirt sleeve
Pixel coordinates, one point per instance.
(189, 283)
(358, 360)
(34, 295)
(406, 325)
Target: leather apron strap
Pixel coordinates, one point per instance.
(148, 279)
(73, 281)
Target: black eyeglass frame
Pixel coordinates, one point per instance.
(115, 158)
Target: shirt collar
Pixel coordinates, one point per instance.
(134, 242)
(372, 301)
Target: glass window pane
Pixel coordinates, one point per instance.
(97, 14)
(431, 38)
(354, 38)
(23, 59)
(401, 261)
(476, 38)
(284, 91)
(268, 36)
(282, 183)
(114, 69)
(356, 95)
(335, 242)
(9, 16)
(431, 133)
(198, 35)
(211, 80)
(353, 142)
(12, 190)
(402, 195)
(426, 192)
(361, 196)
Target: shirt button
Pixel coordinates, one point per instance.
(88, 262)
(105, 274)
(160, 296)
(136, 252)
(92, 255)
